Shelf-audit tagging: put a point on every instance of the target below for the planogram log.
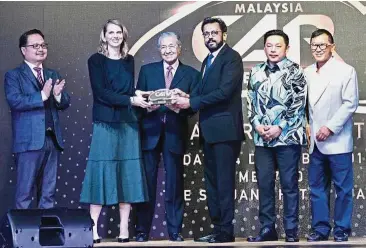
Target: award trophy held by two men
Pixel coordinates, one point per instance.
(162, 96)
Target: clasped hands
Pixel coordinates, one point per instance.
(268, 132)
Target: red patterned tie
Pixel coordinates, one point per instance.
(169, 76)
(39, 74)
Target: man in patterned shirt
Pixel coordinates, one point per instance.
(276, 107)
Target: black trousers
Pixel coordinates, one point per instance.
(286, 159)
(219, 171)
(174, 201)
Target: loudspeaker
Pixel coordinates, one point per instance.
(56, 227)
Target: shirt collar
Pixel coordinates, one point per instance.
(215, 53)
(281, 64)
(33, 65)
(175, 65)
(326, 66)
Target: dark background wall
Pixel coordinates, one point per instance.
(72, 30)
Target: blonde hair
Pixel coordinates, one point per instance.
(103, 45)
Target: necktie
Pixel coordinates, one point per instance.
(169, 77)
(209, 61)
(168, 82)
(39, 75)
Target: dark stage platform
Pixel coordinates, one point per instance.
(240, 242)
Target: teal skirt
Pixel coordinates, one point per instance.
(114, 171)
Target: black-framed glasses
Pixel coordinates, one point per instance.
(37, 46)
(212, 33)
(321, 46)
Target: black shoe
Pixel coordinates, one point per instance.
(222, 237)
(176, 237)
(317, 236)
(291, 236)
(266, 234)
(121, 240)
(206, 238)
(142, 237)
(340, 236)
(97, 241)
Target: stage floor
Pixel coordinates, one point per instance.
(240, 242)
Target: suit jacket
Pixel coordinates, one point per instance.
(111, 97)
(27, 108)
(151, 77)
(332, 102)
(218, 98)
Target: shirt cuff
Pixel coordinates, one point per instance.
(44, 97)
(256, 123)
(283, 124)
(58, 98)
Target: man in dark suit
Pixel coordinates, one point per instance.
(164, 130)
(35, 94)
(218, 98)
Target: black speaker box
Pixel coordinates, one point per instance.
(57, 227)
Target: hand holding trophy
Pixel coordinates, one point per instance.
(140, 99)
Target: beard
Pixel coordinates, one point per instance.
(213, 49)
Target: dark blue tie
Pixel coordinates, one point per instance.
(209, 61)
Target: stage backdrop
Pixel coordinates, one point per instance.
(72, 31)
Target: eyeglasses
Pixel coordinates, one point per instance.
(321, 46)
(171, 47)
(212, 33)
(37, 46)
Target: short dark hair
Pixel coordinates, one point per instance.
(221, 23)
(321, 31)
(276, 32)
(24, 37)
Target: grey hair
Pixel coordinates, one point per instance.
(168, 34)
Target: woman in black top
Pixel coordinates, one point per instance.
(114, 172)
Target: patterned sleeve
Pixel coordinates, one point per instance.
(251, 102)
(296, 112)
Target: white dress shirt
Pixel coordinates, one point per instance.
(175, 67)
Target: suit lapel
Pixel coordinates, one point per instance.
(212, 67)
(28, 72)
(317, 90)
(160, 75)
(201, 74)
(179, 74)
(46, 74)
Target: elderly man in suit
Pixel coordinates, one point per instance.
(164, 131)
(218, 98)
(333, 98)
(35, 94)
